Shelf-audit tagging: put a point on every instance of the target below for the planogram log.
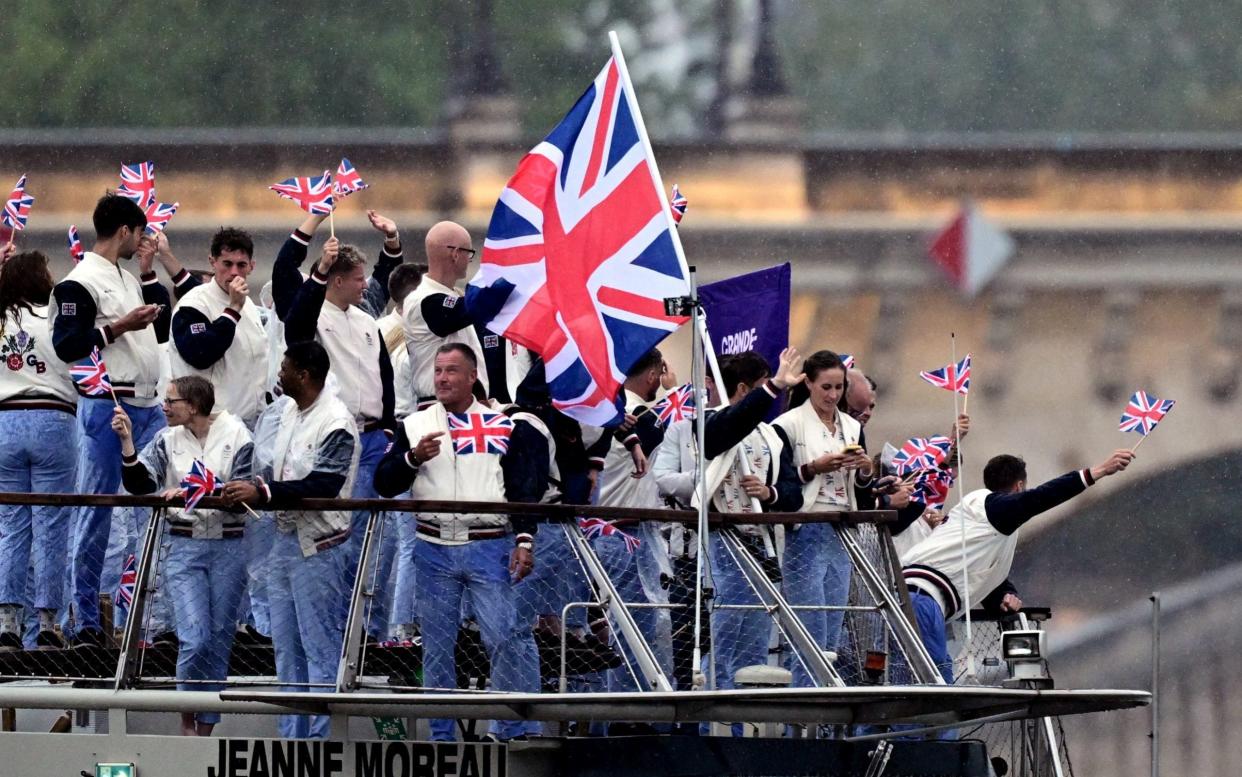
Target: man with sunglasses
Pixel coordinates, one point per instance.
(435, 314)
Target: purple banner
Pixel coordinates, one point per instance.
(749, 313)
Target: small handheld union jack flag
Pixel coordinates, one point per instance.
(921, 453)
(480, 432)
(138, 183)
(17, 207)
(75, 244)
(678, 203)
(347, 180)
(598, 527)
(847, 360)
(198, 483)
(677, 405)
(1144, 412)
(125, 589)
(158, 216)
(932, 486)
(313, 194)
(92, 375)
(953, 377)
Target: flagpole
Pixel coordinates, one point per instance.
(961, 495)
(697, 379)
(712, 362)
(697, 366)
(331, 222)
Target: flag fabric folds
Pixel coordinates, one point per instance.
(92, 375)
(480, 432)
(347, 180)
(126, 587)
(313, 194)
(953, 377)
(677, 405)
(1143, 413)
(598, 527)
(75, 244)
(198, 483)
(581, 253)
(921, 453)
(138, 183)
(678, 203)
(158, 216)
(17, 206)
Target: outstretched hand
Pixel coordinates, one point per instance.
(789, 371)
(1115, 463)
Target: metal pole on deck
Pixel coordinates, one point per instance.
(1155, 684)
(697, 377)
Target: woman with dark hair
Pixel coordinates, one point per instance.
(205, 570)
(38, 453)
(816, 568)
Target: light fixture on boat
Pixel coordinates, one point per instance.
(1024, 651)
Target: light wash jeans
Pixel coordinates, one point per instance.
(637, 578)
(816, 571)
(99, 472)
(372, 446)
(205, 579)
(447, 573)
(38, 454)
(308, 605)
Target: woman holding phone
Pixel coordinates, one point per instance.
(831, 463)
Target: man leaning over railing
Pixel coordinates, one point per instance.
(488, 457)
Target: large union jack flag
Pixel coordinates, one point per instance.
(92, 375)
(581, 253)
(480, 432)
(1144, 412)
(138, 183)
(347, 180)
(17, 206)
(198, 483)
(313, 194)
(921, 453)
(158, 215)
(953, 377)
(677, 405)
(75, 244)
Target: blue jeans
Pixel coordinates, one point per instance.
(205, 579)
(99, 472)
(739, 637)
(254, 607)
(816, 571)
(371, 445)
(402, 611)
(930, 620)
(555, 581)
(636, 577)
(38, 455)
(446, 573)
(308, 606)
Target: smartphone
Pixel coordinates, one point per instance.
(854, 448)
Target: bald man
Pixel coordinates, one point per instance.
(435, 314)
(859, 398)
